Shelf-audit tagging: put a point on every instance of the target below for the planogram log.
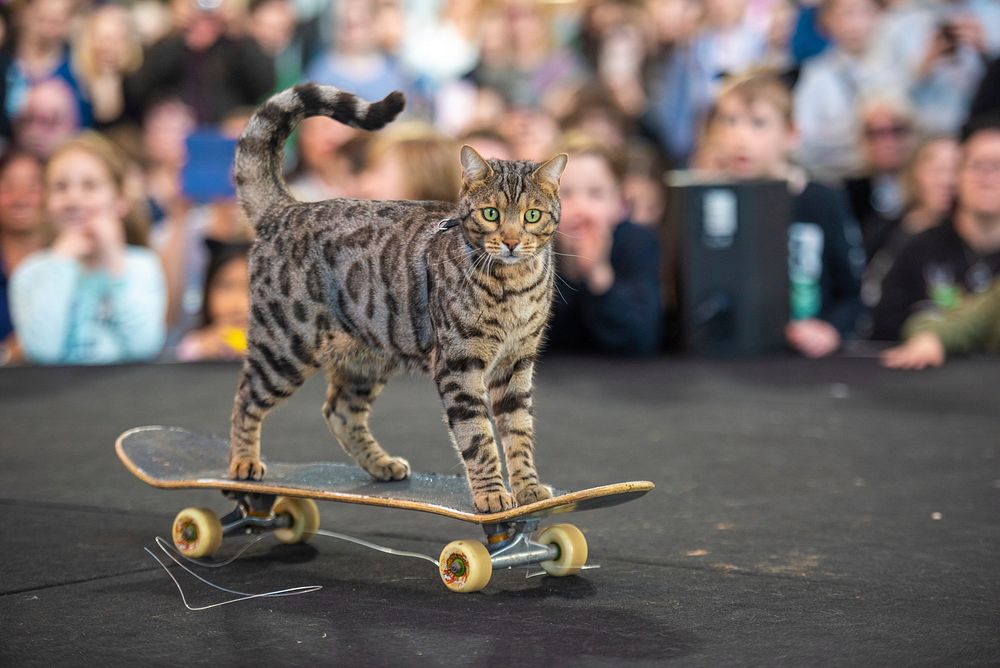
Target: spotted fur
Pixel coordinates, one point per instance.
(365, 289)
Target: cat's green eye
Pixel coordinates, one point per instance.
(532, 215)
(491, 214)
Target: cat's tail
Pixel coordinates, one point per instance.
(261, 149)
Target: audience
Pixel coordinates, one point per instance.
(882, 88)
(608, 298)
(937, 51)
(200, 63)
(929, 193)
(107, 51)
(95, 296)
(225, 307)
(832, 84)
(23, 231)
(756, 140)
(962, 254)
(876, 193)
(930, 337)
(411, 161)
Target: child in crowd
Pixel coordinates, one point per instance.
(96, 296)
(609, 287)
(756, 138)
(225, 307)
(931, 335)
(22, 232)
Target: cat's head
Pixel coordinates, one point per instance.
(512, 206)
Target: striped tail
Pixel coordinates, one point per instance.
(260, 153)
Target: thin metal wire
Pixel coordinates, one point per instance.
(243, 596)
(375, 546)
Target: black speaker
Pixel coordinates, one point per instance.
(731, 245)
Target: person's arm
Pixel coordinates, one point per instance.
(42, 290)
(963, 330)
(137, 302)
(625, 319)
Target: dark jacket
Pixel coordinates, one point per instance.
(626, 319)
(932, 271)
(822, 225)
(228, 75)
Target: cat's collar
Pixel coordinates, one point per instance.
(448, 223)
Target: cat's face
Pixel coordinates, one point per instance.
(513, 205)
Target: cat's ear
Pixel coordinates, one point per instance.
(474, 168)
(549, 172)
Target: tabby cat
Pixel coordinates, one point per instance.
(364, 289)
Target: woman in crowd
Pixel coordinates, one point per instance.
(97, 295)
(22, 232)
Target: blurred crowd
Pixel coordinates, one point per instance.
(120, 241)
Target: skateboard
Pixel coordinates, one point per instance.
(283, 502)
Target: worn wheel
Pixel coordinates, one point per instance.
(465, 566)
(305, 519)
(572, 549)
(197, 532)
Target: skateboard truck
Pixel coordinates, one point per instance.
(198, 532)
(467, 565)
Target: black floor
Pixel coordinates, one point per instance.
(806, 513)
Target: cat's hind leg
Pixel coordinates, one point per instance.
(346, 410)
(268, 378)
(273, 370)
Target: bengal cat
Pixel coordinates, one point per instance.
(364, 289)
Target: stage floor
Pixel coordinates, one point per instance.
(806, 513)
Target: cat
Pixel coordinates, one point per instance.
(364, 289)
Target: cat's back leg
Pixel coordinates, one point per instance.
(276, 365)
(348, 405)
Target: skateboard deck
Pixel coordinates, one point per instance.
(175, 458)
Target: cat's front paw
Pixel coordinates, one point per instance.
(246, 468)
(390, 468)
(493, 502)
(533, 493)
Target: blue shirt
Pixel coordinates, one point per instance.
(68, 314)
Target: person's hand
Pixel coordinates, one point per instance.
(919, 352)
(75, 243)
(208, 343)
(109, 242)
(812, 337)
(586, 244)
(968, 30)
(941, 46)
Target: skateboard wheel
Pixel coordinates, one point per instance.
(465, 566)
(572, 549)
(305, 519)
(197, 532)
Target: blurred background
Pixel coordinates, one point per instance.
(746, 176)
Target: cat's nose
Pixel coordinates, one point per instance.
(511, 244)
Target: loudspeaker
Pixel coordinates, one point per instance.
(731, 244)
